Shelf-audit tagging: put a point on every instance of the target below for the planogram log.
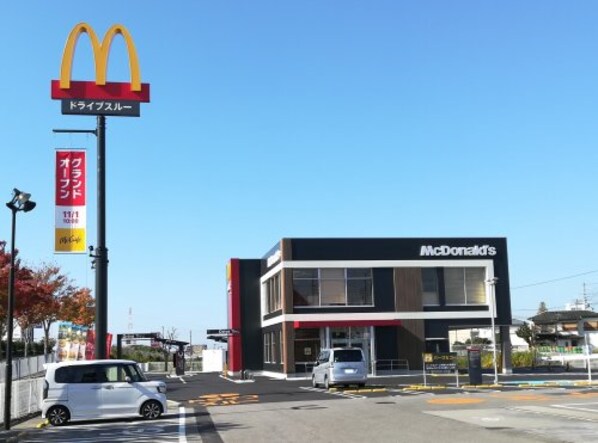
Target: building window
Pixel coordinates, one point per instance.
(281, 359)
(359, 287)
(465, 286)
(332, 287)
(430, 287)
(306, 290)
(306, 348)
(266, 347)
(271, 346)
(273, 291)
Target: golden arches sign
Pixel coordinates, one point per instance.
(101, 52)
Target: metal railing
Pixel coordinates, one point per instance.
(26, 367)
(303, 367)
(396, 364)
(26, 398)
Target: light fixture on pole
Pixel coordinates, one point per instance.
(492, 281)
(20, 202)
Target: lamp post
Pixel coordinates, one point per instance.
(20, 202)
(492, 283)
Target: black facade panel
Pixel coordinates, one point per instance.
(251, 328)
(385, 248)
(347, 249)
(384, 292)
(386, 344)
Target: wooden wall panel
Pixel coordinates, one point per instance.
(411, 342)
(408, 290)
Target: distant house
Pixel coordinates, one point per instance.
(566, 328)
(471, 334)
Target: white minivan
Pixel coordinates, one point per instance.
(90, 389)
(340, 366)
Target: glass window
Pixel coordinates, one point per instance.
(332, 273)
(134, 373)
(333, 287)
(273, 290)
(333, 292)
(305, 273)
(454, 286)
(359, 292)
(84, 374)
(359, 273)
(348, 355)
(272, 347)
(267, 348)
(63, 375)
(306, 293)
(475, 286)
(465, 286)
(430, 287)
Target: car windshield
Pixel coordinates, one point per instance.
(347, 355)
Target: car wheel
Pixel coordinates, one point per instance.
(314, 383)
(326, 383)
(151, 409)
(58, 415)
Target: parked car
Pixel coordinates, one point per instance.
(83, 390)
(340, 366)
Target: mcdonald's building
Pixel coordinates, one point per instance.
(395, 298)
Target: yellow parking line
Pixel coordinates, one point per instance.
(522, 397)
(224, 399)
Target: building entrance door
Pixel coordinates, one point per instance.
(356, 337)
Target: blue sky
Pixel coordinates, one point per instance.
(275, 119)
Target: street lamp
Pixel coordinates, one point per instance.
(492, 283)
(20, 202)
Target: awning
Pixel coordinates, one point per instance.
(343, 323)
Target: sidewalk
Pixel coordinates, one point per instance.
(18, 431)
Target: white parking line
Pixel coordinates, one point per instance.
(182, 432)
(578, 407)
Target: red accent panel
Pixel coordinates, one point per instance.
(235, 357)
(70, 178)
(344, 323)
(110, 91)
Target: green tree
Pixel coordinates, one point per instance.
(50, 286)
(527, 333)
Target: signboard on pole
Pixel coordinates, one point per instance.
(440, 363)
(70, 210)
(118, 108)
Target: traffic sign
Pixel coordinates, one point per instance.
(222, 331)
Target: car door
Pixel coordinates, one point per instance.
(119, 397)
(321, 368)
(84, 392)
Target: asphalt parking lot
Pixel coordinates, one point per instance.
(194, 400)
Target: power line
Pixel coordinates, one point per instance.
(554, 280)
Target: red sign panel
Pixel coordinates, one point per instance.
(70, 178)
(109, 91)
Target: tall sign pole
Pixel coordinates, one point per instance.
(101, 99)
(101, 252)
